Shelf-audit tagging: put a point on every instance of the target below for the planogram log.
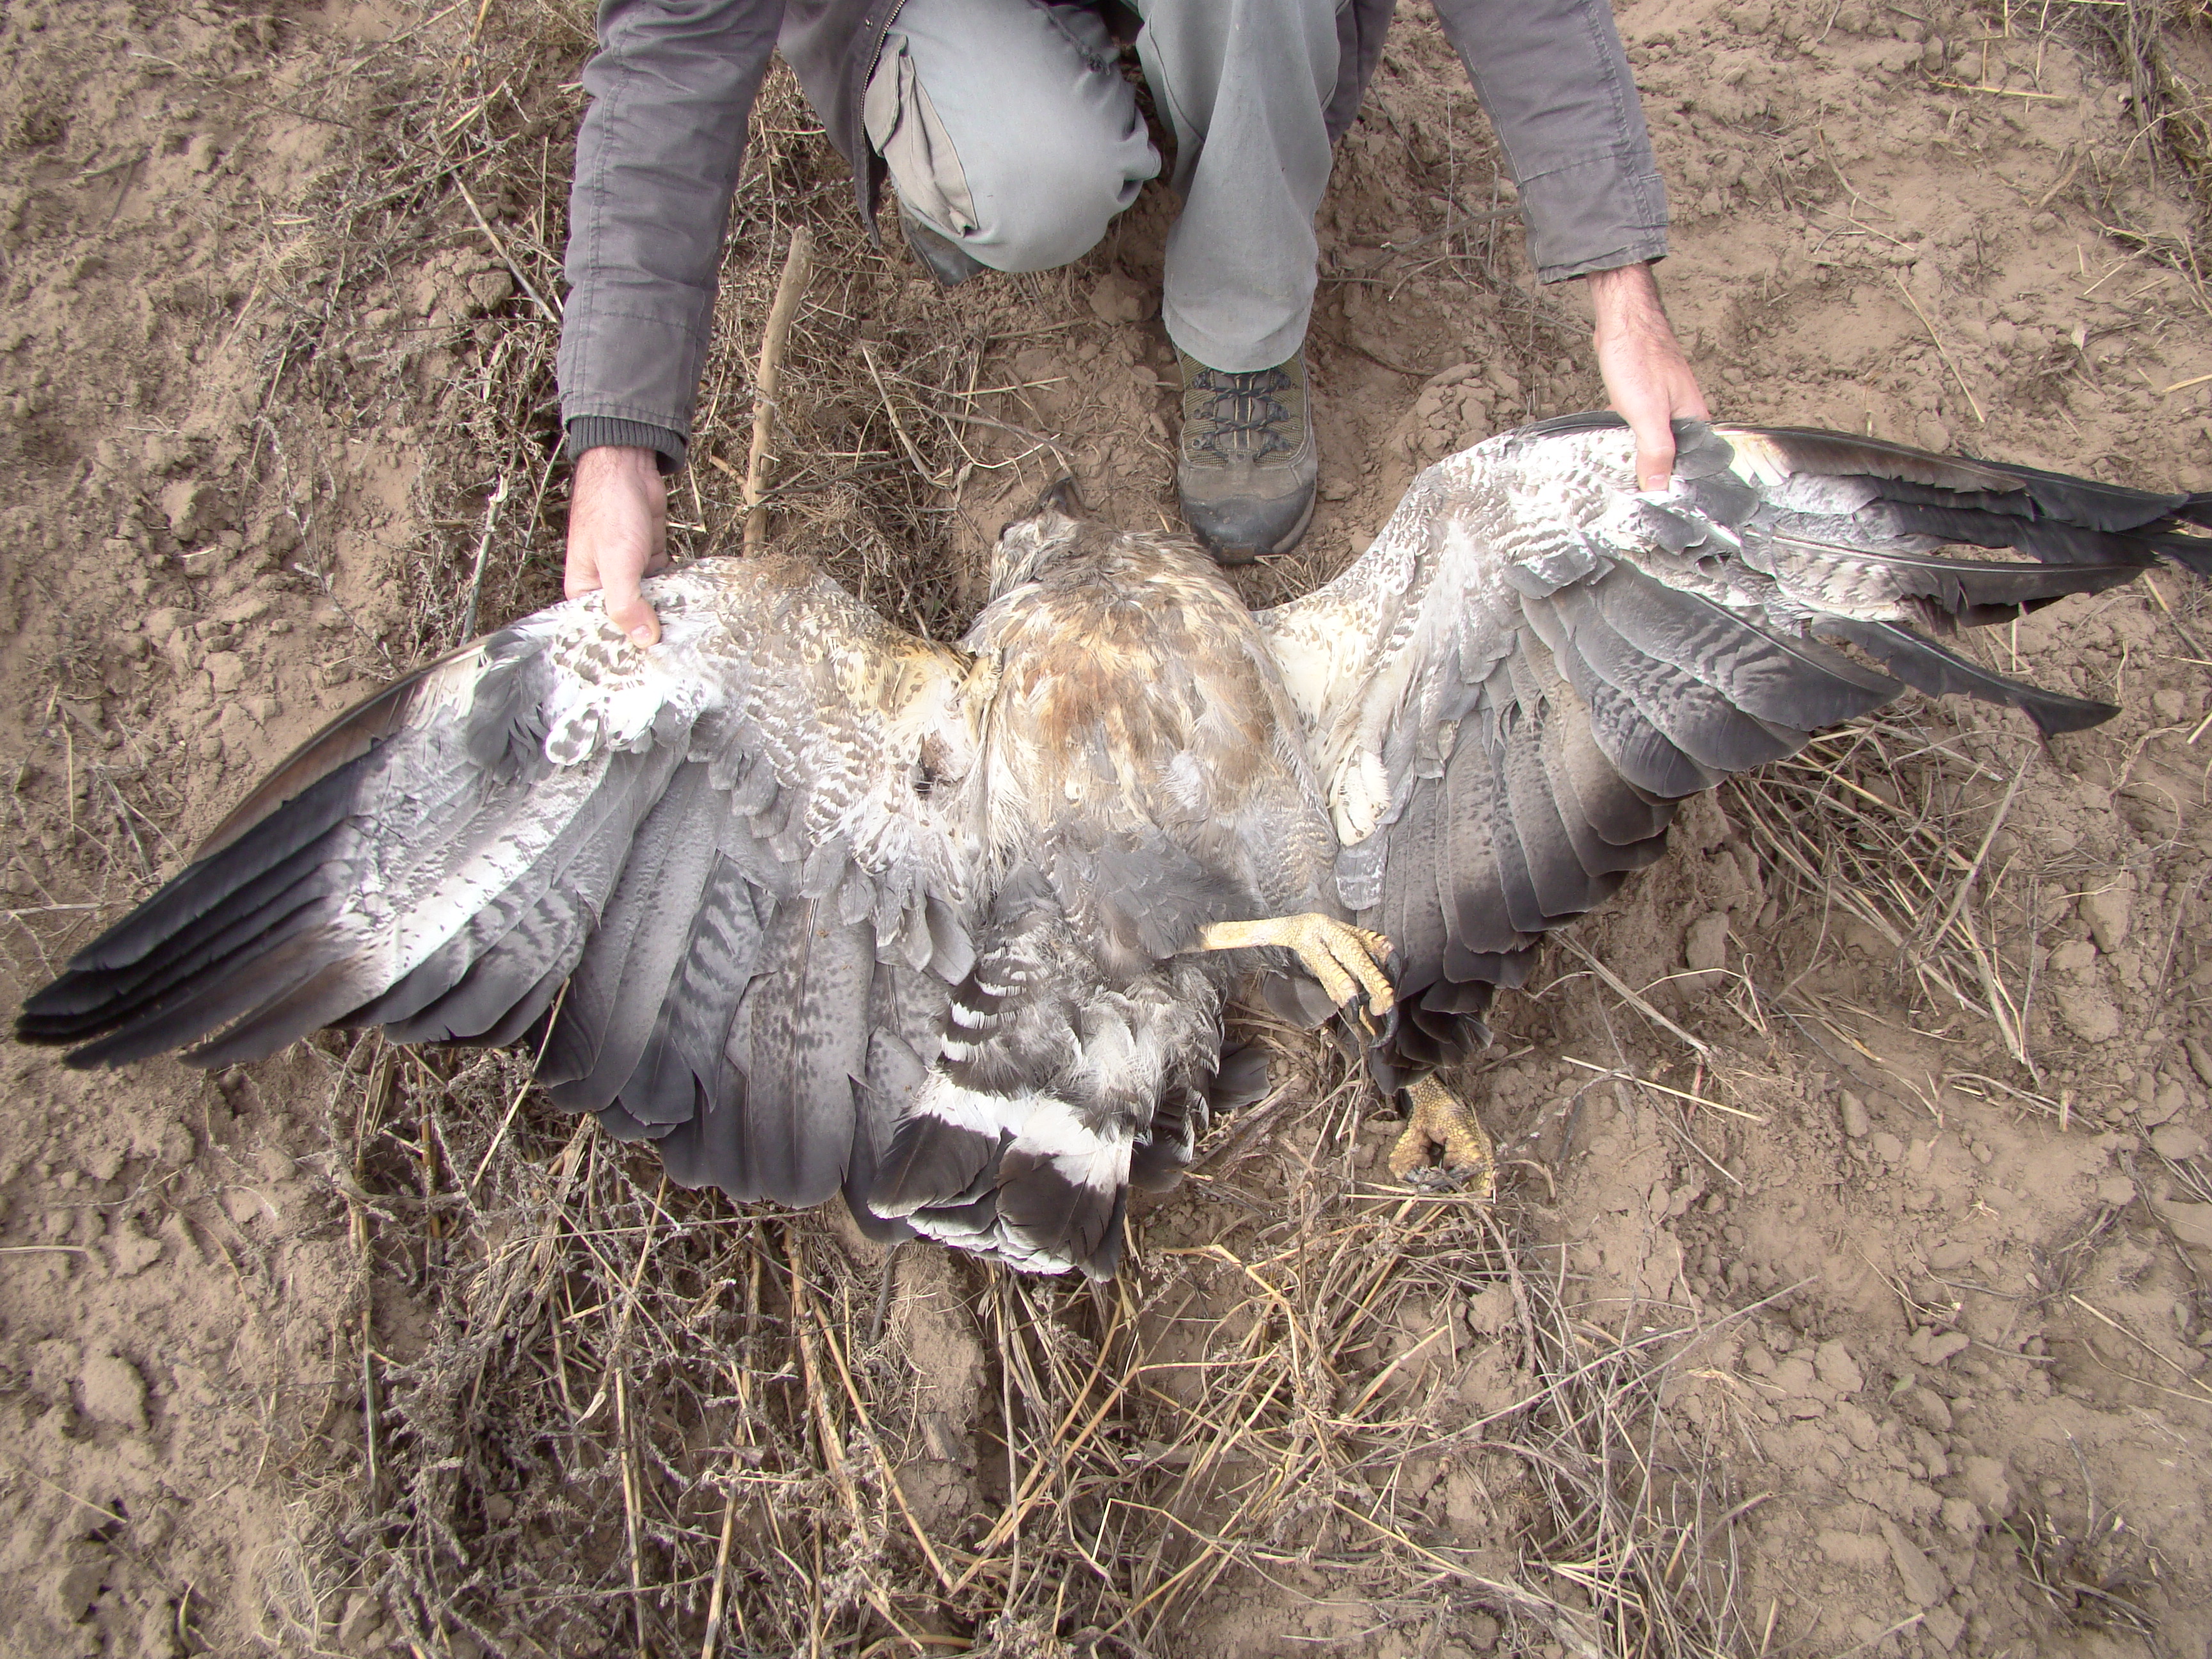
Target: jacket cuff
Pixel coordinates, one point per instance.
(1642, 250)
(600, 431)
(1598, 214)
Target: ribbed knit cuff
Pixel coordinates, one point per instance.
(600, 431)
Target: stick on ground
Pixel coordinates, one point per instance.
(797, 265)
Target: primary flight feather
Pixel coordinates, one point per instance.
(817, 904)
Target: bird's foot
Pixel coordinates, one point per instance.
(1441, 1119)
(1345, 959)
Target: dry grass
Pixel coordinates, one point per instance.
(1890, 824)
(2173, 114)
(596, 1414)
(639, 1412)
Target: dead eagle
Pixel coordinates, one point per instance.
(952, 926)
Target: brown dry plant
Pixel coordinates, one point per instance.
(592, 1414)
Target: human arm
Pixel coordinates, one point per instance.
(1554, 79)
(657, 161)
(618, 533)
(1647, 379)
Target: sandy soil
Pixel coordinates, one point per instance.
(1937, 1234)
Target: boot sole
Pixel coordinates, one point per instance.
(1290, 539)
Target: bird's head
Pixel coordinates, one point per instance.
(1031, 542)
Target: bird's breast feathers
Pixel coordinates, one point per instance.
(1106, 700)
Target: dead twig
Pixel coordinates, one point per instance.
(798, 265)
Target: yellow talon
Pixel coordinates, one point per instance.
(1440, 1118)
(1345, 959)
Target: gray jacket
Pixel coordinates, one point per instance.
(674, 79)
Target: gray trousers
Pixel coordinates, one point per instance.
(1007, 127)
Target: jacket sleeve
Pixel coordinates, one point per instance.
(657, 160)
(1554, 79)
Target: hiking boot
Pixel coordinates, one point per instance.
(1247, 468)
(940, 256)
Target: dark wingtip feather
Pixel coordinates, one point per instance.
(1970, 588)
(1810, 449)
(1586, 420)
(2088, 503)
(2033, 493)
(1928, 667)
(2192, 553)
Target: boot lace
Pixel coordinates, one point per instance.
(1241, 415)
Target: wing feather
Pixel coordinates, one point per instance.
(716, 845)
(1628, 650)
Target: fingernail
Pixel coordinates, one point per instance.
(641, 634)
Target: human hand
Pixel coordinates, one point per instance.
(618, 533)
(1647, 379)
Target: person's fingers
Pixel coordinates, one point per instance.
(582, 575)
(617, 534)
(1654, 445)
(1648, 379)
(627, 611)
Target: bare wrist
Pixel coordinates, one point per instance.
(1626, 298)
(604, 460)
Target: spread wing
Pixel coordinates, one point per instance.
(747, 854)
(1510, 691)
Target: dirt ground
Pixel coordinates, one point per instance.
(1855, 1242)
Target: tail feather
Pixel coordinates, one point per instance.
(1063, 1189)
(945, 1150)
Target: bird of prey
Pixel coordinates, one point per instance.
(813, 902)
